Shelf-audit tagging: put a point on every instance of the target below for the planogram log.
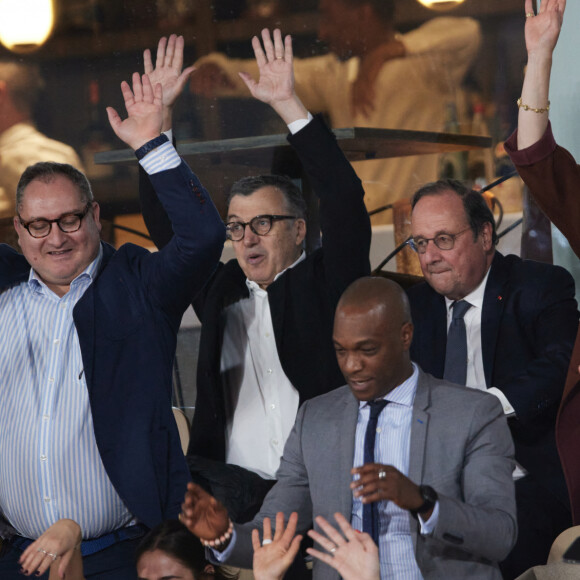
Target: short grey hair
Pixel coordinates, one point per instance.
(47, 171)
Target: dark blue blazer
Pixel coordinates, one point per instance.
(528, 327)
(127, 322)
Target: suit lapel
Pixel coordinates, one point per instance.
(347, 432)
(494, 299)
(84, 319)
(419, 427)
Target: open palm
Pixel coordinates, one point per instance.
(542, 30)
(274, 60)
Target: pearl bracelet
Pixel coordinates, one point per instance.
(218, 542)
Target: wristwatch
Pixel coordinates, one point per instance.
(429, 496)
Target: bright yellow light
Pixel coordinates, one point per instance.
(441, 4)
(25, 24)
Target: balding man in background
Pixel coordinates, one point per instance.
(21, 144)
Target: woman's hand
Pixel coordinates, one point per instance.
(354, 556)
(56, 546)
(274, 556)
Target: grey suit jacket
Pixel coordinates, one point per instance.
(460, 445)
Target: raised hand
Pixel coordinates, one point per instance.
(202, 514)
(167, 72)
(144, 109)
(542, 31)
(354, 556)
(56, 546)
(274, 62)
(275, 86)
(274, 556)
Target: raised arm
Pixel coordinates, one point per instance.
(541, 32)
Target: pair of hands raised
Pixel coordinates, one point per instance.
(150, 100)
(354, 555)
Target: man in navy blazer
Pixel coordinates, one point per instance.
(123, 327)
(520, 329)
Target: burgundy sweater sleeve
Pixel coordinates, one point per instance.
(553, 178)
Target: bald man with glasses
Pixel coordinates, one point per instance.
(503, 325)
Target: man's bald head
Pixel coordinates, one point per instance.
(376, 292)
(372, 337)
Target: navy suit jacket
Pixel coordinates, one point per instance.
(127, 322)
(528, 326)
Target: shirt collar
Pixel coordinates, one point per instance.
(89, 273)
(475, 297)
(403, 394)
(254, 287)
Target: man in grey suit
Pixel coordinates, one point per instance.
(440, 477)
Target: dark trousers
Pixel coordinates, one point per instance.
(114, 563)
(541, 518)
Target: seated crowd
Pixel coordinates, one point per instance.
(408, 434)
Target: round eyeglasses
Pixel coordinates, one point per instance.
(442, 241)
(260, 225)
(68, 223)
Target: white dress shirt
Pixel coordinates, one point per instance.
(475, 373)
(261, 402)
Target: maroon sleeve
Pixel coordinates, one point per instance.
(553, 178)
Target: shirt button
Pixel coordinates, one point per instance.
(272, 406)
(379, 429)
(267, 335)
(43, 458)
(56, 341)
(269, 371)
(45, 417)
(46, 499)
(63, 306)
(274, 441)
(51, 379)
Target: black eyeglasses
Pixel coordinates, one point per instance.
(442, 241)
(260, 225)
(68, 223)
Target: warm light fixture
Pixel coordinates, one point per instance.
(25, 24)
(441, 4)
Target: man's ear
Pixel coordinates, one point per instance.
(486, 233)
(18, 227)
(300, 225)
(407, 335)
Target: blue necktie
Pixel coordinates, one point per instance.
(456, 352)
(371, 510)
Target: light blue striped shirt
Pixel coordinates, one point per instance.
(50, 467)
(397, 557)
